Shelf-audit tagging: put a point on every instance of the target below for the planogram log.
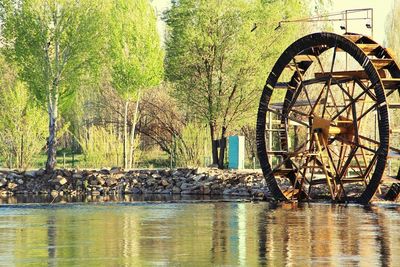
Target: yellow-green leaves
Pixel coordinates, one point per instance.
(136, 57)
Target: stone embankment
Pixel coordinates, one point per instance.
(118, 182)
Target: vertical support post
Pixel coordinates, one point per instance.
(269, 131)
(372, 23)
(269, 148)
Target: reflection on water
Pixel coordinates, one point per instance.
(117, 198)
(217, 233)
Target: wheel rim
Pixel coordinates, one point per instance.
(327, 108)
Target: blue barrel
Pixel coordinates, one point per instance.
(236, 152)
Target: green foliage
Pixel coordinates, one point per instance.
(101, 147)
(88, 57)
(55, 43)
(193, 146)
(217, 56)
(135, 50)
(22, 127)
(217, 63)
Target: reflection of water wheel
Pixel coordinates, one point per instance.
(329, 133)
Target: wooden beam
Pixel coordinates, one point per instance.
(391, 83)
(360, 74)
(381, 63)
(308, 58)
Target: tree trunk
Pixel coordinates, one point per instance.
(52, 106)
(131, 154)
(214, 145)
(222, 147)
(125, 148)
(52, 139)
(22, 152)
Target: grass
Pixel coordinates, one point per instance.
(149, 160)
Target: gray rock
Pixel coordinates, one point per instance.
(143, 176)
(13, 176)
(206, 190)
(40, 172)
(177, 173)
(150, 181)
(20, 181)
(156, 176)
(77, 176)
(3, 182)
(136, 190)
(185, 186)
(115, 170)
(166, 191)
(164, 182)
(227, 192)
(100, 180)
(30, 174)
(176, 190)
(215, 186)
(111, 181)
(211, 178)
(197, 178)
(105, 171)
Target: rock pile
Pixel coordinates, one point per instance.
(118, 182)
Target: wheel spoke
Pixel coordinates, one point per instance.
(288, 117)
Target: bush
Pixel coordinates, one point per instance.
(23, 130)
(101, 147)
(192, 146)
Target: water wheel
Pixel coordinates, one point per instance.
(323, 126)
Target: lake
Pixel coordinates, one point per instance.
(198, 233)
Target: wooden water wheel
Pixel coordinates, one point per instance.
(323, 124)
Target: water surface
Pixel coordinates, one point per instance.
(199, 233)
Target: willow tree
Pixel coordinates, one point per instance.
(56, 44)
(136, 55)
(218, 53)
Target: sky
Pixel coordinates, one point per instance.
(160, 6)
(381, 9)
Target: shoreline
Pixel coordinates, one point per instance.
(70, 185)
(116, 182)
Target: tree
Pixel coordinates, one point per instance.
(56, 44)
(218, 63)
(22, 128)
(136, 56)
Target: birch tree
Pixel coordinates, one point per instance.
(136, 57)
(56, 44)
